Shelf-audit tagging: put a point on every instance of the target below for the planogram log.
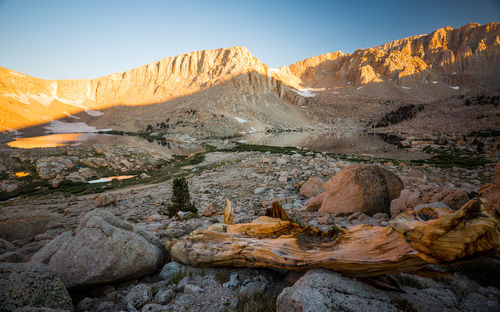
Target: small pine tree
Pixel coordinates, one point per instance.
(180, 198)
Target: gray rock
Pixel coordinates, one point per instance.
(233, 281)
(322, 290)
(9, 185)
(430, 299)
(30, 248)
(192, 289)
(253, 286)
(5, 246)
(76, 177)
(170, 270)
(152, 307)
(184, 281)
(260, 190)
(13, 256)
(164, 296)
(32, 285)
(24, 229)
(138, 296)
(102, 200)
(49, 167)
(85, 304)
(44, 254)
(104, 249)
(105, 306)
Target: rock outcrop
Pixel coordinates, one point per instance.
(105, 249)
(31, 285)
(472, 49)
(492, 193)
(409, 199)
(324, 290)
(360, 188)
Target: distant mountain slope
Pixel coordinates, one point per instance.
(472, 50)
(230, 89)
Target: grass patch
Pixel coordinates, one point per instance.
(178, 277)
(408, 280)
(451, 158)
(258, 302)
(222, 276)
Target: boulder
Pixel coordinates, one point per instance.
(492, 194)
(138, 296)
(312, 187)
(31, 285)
(47, 251)
(49, 167)
(170, 270)
(105, 249)
(164, 296)
(324, 290)
(360, 188)
(427, 194)
(6, 246)
(102, 200)
(95, 162)
(210, 210)
(23, 229)
(76, 177)
(86, 173)
(9, 185)
(315, 203)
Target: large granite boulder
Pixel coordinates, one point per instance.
(324, 290)
(426, 194)
(106, 249)
(492, 194)
(31, 285)
(360, 188)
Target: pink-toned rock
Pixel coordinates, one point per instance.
(492, 194)
(315, 203)
(360, 188)
(312, 187)
(426, 194)
(210, 210)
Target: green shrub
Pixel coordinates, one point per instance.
(180, 198)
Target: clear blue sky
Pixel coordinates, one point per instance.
(86, 39)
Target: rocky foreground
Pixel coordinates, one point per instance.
(107, 252)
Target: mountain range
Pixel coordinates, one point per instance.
(225, 91)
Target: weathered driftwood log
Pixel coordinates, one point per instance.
(410, 242)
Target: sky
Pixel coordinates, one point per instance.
(66, 39)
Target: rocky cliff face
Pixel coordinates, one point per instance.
(471, 50)
(229, 81)
(233, 85)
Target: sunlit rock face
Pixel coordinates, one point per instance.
(230, 83)
(472, 50)
(228, 80)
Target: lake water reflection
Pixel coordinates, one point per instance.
(346, 143)
(54, 140)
